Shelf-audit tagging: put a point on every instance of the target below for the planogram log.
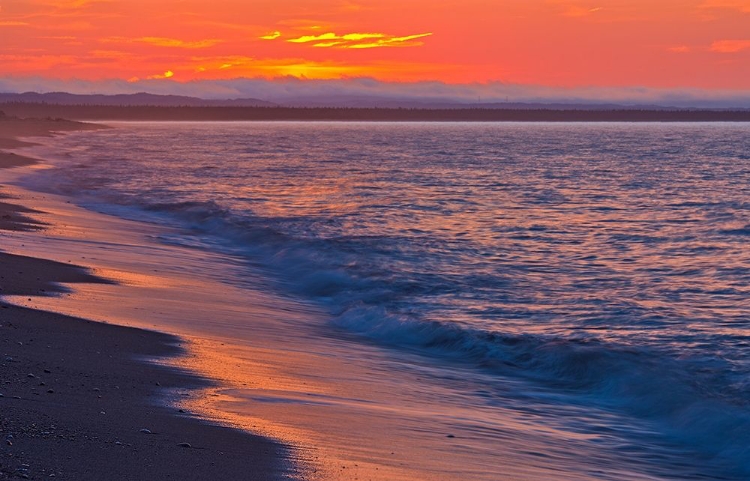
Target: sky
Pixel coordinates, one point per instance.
(661, 45)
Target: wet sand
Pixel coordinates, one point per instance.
(79, 399)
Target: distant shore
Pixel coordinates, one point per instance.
(172, 113)
(77, 400)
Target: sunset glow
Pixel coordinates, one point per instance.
(675, 43)
(384, 240)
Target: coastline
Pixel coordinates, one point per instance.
(152, 113)
(77, 394)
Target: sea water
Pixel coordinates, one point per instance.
(513, 301)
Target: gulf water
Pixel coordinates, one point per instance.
(580, 293)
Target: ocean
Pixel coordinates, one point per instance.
(474, 301)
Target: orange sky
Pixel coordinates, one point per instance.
(652, 43)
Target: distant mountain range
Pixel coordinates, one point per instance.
(323, 101)
(127, 100)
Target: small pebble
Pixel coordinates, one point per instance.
(50, 391)
(185, 445)
(450, 436)
(145, 431)
(47, 371)
(30, 375)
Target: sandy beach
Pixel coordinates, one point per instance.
(79, 399)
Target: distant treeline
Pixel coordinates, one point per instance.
(95, 112)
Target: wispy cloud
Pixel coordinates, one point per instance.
(244, 66)
(165, 42)
(210, 64)
(739, 5)
(272, 36)
(73, 4)
(327, 44)
(359, 40)
(12, 23)
(173, 42)
(165, 75)
(407, 41)
(578, 11)
(730, 46)
(328, 36)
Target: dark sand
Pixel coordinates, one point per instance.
(13, 217)
(75, 395)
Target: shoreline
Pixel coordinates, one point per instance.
(78, 396)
